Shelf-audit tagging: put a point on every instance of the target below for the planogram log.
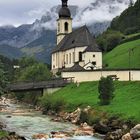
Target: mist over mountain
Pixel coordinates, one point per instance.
(97, 15)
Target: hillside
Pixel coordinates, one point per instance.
(119, 57)
(129, 21)
(10, 52)
(125, 104)
(41, 48)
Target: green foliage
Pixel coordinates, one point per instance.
(49, 102)
(8, 67)
(28, 97)
(25, 62)
(106, 89)
(125, 104)
(3, 79)
(36, 72)
(31, 70)
(109, 40)
(129, 21)
(3, 134)
(118, 58)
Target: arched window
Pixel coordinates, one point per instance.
(66, 26)
(80, 56)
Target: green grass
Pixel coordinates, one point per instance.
(32, 50)
(132, 35)
(126, 103)
(3, 134)
(119, 57)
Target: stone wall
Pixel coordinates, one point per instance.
(84, 76)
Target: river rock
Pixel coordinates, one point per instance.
(135, 132)
(84, 129)
(73, 117)
(40, 136)
(102, 127)
(115, 135)
(61, 134)
(127, 137)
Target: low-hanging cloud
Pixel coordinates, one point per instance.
(17, 12)
(88, 12)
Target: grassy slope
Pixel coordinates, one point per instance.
(126, 101)
(118, 57)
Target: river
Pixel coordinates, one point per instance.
(28, 122)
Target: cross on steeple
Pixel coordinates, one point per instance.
(64, 3)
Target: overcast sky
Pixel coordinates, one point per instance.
(18, 12)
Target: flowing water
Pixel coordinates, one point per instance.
(28, 122)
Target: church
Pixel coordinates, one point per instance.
(75, 49)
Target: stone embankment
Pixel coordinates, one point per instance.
(109, 129)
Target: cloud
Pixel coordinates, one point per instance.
(88, 12)
(18, 12)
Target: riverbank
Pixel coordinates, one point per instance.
(125, 103)
(114, 120)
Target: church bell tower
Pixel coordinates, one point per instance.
(64, 23)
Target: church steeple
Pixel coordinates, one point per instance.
(64, 23)
(64, 3)
(64, 11)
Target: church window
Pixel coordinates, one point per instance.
(80, 56)
(70, 58)
(94, 55)
(73, 57)
(67, 59)
(66, 26)
(73, 41)
(94, 63)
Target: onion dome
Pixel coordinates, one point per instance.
(64, 11)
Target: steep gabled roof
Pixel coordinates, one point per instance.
(79, 38)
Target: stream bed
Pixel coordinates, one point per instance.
(28, 122)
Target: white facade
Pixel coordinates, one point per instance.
(67, 59)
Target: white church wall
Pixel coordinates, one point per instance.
(93, 57)
(96, 75)
(72, 56)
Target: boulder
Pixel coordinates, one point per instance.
(127, 137)
(83, 130)
(40, 136)
(135, 132)
(115, 135)
(102, 127)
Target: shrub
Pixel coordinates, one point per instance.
(106, 89)
(50, 103)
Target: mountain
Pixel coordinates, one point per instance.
(129, 21)
(30, 38)
(41, 48)
(10, 52)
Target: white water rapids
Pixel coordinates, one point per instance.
(28, 122)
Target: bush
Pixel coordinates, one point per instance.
(50, 103)
(106, 89)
